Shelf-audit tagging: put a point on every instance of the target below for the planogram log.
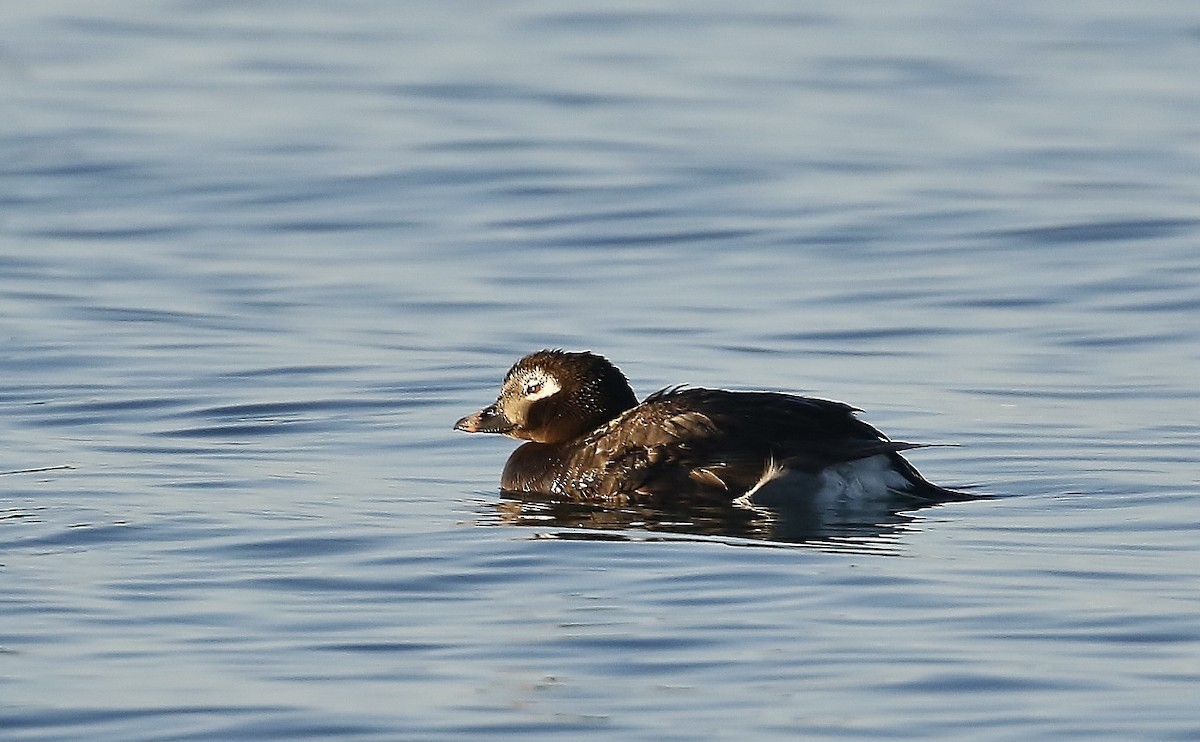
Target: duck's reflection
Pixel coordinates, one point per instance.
(875, 529)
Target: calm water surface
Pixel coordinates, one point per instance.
(256, 258)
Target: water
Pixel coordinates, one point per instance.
(258, 257)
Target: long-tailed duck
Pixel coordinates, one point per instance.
(590, 439)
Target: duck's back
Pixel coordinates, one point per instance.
(712, 443)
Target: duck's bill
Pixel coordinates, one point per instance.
(487, 420)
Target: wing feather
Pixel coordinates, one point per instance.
(692, 441)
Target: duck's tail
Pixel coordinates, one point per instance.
(918, 488)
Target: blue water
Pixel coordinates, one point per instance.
(257, 258)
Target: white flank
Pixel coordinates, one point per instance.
(871, 478)
(864, 481)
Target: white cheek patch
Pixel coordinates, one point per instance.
(540, 385)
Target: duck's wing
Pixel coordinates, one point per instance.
(659, 447)
(709, 442)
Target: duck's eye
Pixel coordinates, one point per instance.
(538, 386)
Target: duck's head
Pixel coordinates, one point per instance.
(553, 397)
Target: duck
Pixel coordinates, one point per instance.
(587, 438)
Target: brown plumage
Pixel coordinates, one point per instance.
(590, 439)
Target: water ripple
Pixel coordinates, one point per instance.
(1100, 231)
